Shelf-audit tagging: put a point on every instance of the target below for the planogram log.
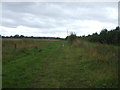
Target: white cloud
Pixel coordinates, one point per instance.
(21, 30)
(90, 26)
(84, 27)
(28, 31)
(112, 13)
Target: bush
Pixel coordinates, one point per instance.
(72, 38)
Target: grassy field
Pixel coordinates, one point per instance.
(30, 63)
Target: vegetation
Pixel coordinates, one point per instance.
(105, 36)
(35, 63)
(22, 36)
(72, 38)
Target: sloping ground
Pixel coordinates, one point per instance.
(82, 65)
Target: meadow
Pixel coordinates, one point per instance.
(36, 63)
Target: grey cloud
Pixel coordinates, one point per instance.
(51, 15)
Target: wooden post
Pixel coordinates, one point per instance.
(15, 46)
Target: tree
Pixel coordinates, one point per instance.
(103, 36)
(117, 28)
(72, 38)
(94, 37)
(16, 36)
(21, 36)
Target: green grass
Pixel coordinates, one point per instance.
(46, 64)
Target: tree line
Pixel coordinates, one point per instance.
(22, 36)
(105, 36)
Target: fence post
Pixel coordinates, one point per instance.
(15, 45)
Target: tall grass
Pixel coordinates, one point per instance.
(17, 47)
(102, 62)
(46, 64)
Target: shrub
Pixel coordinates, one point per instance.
(72, 38)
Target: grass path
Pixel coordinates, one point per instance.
(58, 67)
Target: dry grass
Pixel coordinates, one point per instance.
(14, 47)
(98, 52)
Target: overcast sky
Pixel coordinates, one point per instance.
(54, 19)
